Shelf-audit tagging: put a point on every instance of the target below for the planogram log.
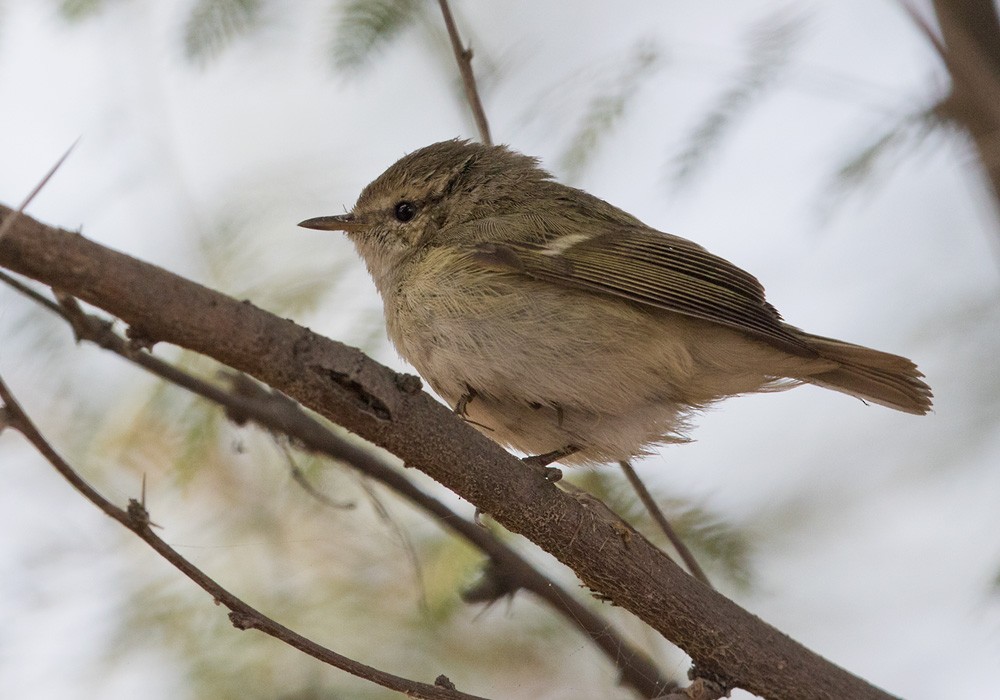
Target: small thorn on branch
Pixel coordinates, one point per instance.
(8, 222)
(138, 515)
(443, 681)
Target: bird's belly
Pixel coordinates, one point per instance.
(542, 367)
(541, 370)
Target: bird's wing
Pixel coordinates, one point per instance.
(647, 267)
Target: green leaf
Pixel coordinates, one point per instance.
(214, 24)
(366, 27)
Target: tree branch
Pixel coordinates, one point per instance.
(969, 47)
(277, 413)
(728, 645)
(242, 615)
(464, 58)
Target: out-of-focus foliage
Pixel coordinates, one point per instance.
(770, 46)
(365, 27)
(890, 148)
(887, 147)
(214, 24)
(75, 10)
(235, 255)
(608, 106)
(211, 25)
(340, 576)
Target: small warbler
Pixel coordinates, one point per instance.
(562, 326)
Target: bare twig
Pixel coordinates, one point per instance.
(464, 58)
(9, 222)
(24, 289)
(925, 28)
(243, 616)
(275, 412)
(661, 520)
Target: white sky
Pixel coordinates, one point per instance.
(888, 569)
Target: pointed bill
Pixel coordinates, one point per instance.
(341, 222)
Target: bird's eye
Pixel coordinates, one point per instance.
(405, 211)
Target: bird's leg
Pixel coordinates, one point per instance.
(541, 462)
(461, 408)
(660, 519)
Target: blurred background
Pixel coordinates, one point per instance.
(799, 140)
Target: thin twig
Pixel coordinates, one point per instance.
(383, 513)
(925, 29)
(9, 222)
(654, 510)
(464, 58)
(277, 413)
(27, 291)
(242, 615)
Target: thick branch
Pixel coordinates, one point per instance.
(727, 644)
(970, 49)
(275, 412)
(972, 22)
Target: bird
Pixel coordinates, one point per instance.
(567, 329)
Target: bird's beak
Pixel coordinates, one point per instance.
(342, 222)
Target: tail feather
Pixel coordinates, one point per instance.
(871, 375)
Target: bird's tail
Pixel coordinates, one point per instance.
(871, 375)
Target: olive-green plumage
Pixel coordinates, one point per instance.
(556, 320)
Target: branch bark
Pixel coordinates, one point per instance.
(464, 58)
(727, 644)
(249, 401)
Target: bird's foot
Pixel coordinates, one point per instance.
(541, 462)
